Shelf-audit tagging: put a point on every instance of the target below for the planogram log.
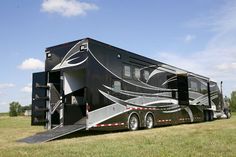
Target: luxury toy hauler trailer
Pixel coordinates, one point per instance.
(91, 85)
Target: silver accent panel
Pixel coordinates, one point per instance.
(104, 113)
(190, 113)
(73, 51)
(154, 72)
(131, 93)
(172, 111)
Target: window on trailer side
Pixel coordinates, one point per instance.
(146, 75)
(136, 73)
(127, 71)
(117, 85)
(203, 89)
(194, 86)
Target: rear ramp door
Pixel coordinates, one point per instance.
(53, 134)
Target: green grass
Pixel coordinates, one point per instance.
(4, 114)
(217, 138)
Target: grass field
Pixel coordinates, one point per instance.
(4, 114)
(217, 138)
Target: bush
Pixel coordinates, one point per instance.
(17, 110)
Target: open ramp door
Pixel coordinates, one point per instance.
(39, 99)
(53, 134)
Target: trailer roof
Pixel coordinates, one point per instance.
(63, 44)
(151, 60)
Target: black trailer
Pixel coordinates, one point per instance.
(96, 86)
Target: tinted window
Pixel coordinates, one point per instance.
(117, 85)
(203, 89)
(193, 86)
(146, 74)
(137, 73)
(127, 71)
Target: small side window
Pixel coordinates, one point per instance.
(117, 85)
(203, 89)
(137, 73)
(194, 86)
(127, 71)
(146, 74)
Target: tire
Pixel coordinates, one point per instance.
(228, 115)
(206, 115)
(149, 121)
(133, 122)
(211, 117)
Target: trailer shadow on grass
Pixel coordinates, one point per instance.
(86, 133)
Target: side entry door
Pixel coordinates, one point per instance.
(182, 86)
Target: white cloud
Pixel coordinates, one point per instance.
(6, 85)
(189, 38)
(27, 88)
(31, 64)
(3, 103)
(227, 66)
(218, 59)
(67, 8)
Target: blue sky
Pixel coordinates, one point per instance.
(196, 35)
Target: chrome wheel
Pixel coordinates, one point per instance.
(133, 123)
(149, 121)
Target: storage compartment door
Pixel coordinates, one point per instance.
(182, 84)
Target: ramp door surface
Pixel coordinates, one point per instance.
(53, 134)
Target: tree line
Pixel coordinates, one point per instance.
(16, 109)
(232, 101)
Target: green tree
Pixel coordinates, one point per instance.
(233, 101)
(15, 109)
